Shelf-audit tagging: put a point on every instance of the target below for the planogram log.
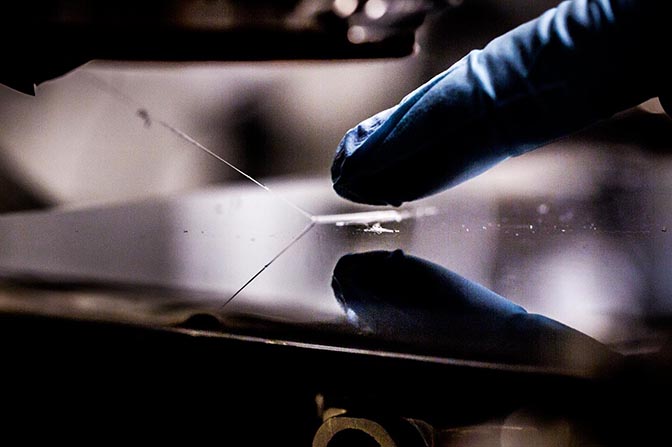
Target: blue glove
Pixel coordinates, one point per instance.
(576, 64)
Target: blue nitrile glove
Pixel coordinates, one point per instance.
(578, 63)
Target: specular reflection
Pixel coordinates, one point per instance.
(411, 302)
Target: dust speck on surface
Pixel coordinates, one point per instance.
(377, 228)
(144, 115)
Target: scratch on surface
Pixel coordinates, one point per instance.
(268, 264)
(148, 118)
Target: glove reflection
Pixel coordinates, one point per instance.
(420, 306)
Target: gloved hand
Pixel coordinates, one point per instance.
(576, 64)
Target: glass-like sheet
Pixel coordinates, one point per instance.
(514, 268)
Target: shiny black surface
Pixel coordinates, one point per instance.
(178, 262)
(125, 306)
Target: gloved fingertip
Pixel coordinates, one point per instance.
(351, 181)
(353, 161)
(339, 172)
(354, 188)
(337, 166)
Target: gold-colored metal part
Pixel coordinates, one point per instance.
(334, 425)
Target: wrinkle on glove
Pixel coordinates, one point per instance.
(576, 64)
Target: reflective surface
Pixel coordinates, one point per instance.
(586, 267)
(553, 261)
